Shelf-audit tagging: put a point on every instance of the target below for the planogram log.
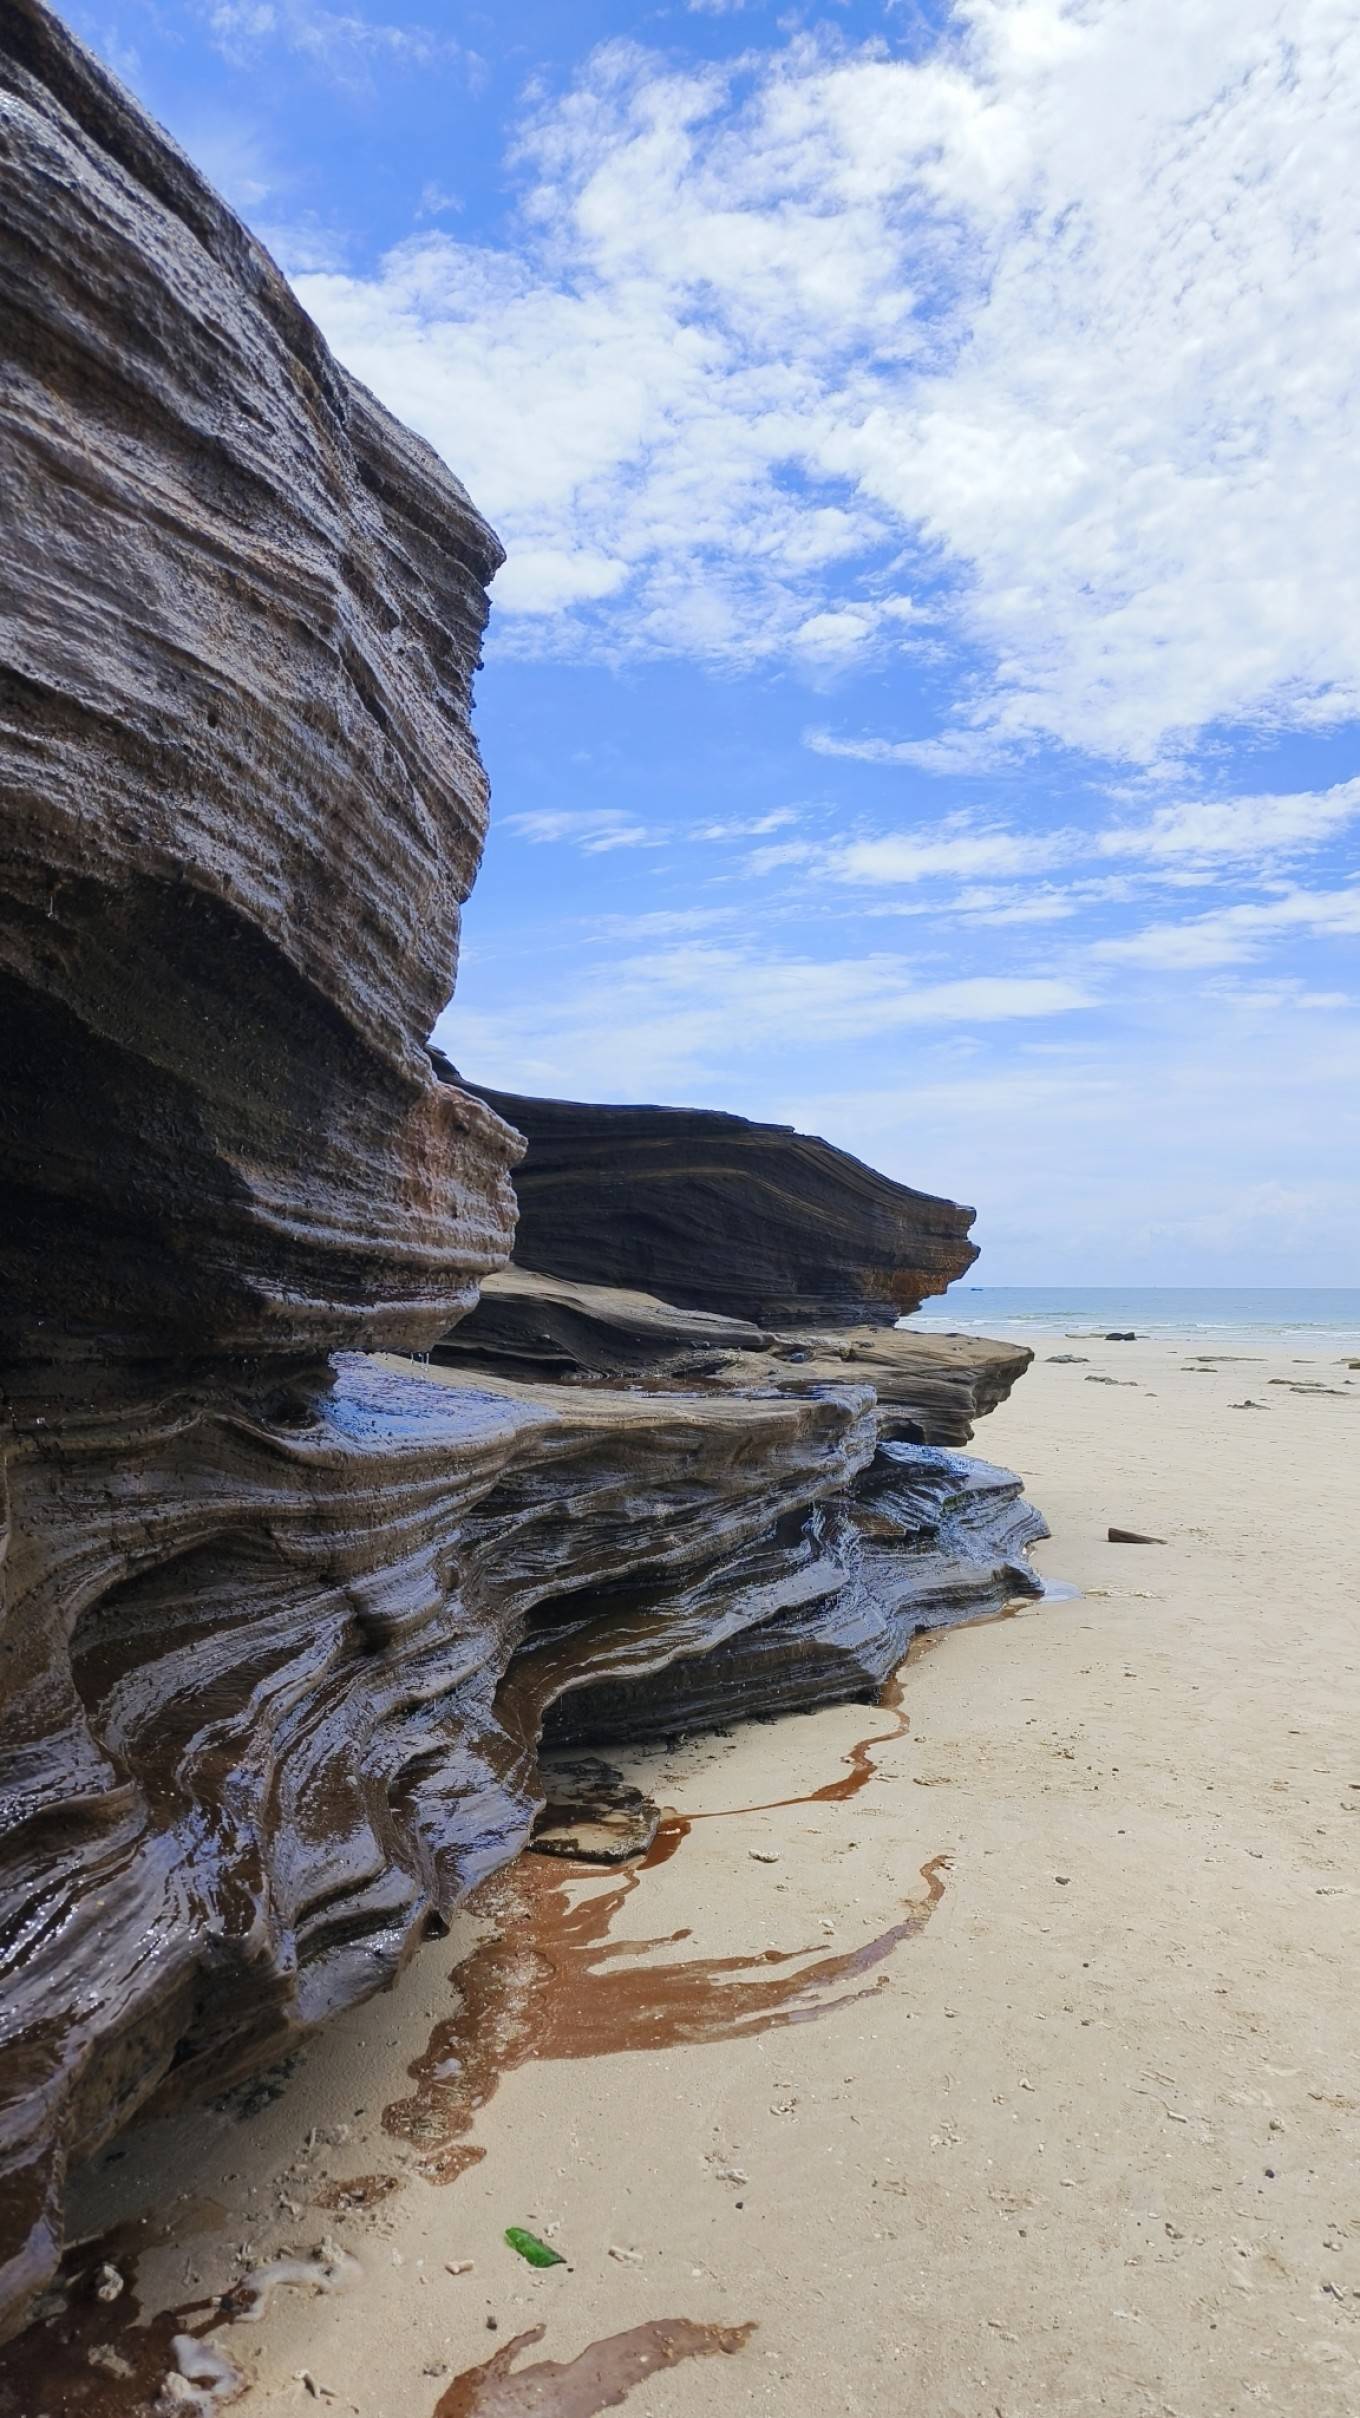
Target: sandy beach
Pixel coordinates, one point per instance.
(1052, 2104)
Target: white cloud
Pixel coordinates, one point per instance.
(1189, 845)
(595, 831)
(341, 41)
(1233, 935)
(696, 1017)
(543, 579)
(954, 753)
(923, 854)
(778, 819)
(1063, 313)
(835, 634)
(1251, 828)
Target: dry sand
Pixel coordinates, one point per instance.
(1084, 2140)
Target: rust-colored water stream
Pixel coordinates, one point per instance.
(602, 2376)
(551, 1982)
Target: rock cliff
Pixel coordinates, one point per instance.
(281, 1622)
(239, 615)
(718, 1213)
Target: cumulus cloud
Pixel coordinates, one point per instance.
(1062, 313)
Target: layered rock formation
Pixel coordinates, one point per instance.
(240, 612)
(545, 1327)
(718, 1213)
(240, 609)
(928, 1388)
(281, 1623)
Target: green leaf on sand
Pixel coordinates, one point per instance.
(529, 2246)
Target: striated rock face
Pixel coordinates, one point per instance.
(922, 1540)
(717, 1213)
(240, 608)
(281, 1623)
(929, 1388)
(256, 1719)
(543, 1326)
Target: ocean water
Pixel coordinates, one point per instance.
(1320, 1315)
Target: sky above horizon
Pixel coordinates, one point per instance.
(922, 699)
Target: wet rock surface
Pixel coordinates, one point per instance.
(282, 1623)
(591, 1813)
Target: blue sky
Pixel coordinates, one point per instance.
(923, 697)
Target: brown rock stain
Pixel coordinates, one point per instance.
(349, 2195)
(602, 2376)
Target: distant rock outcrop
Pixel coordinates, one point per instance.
(280, 1622)
(719, 1213)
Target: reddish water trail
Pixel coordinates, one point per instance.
(602, 2376)
(552, 1983)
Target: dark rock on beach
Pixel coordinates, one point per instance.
(545, 1326)
(718, 1213)
(282, 1622)
(930, 1388)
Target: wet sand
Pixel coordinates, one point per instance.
(1006, 2065)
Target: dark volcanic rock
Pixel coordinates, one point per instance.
(718, 1213)
(240, 609)
(279, 1631)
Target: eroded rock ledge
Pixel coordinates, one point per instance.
(928, 1388)
(720, 1213)
(281, 1624)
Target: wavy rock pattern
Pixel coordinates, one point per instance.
(718, 1213)
(254, 1707)
(929, 1388)
(240, 609)
(279, 1632)
(544, 1326)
